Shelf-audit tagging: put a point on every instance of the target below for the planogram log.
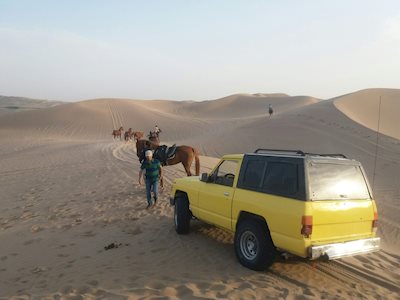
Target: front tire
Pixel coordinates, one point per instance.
(253, 245)
(182, 216)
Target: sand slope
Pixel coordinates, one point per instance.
(68, 190)
(94, 119)
(233, 106)
(16, 104)
(363, 107)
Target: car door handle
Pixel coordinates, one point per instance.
(226, 194)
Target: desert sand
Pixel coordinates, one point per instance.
(67, 190)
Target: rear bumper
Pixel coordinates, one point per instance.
(338, 250)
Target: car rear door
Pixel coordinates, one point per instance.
(341, 205)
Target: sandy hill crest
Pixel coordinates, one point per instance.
(10, 104)
(233, 106)
(26, 103)
(363, 107)
(188, 119)
(179, 120)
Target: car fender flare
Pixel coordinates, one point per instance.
(180, 194)
(243, 215)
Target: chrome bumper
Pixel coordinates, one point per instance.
(338, 250)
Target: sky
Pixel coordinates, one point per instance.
(196, 49)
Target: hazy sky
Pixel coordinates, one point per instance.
(197, 50)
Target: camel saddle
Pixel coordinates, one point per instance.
(163, 153)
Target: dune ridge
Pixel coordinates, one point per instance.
(363, 108)
(11, 104)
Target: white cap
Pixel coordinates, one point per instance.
(148, 153)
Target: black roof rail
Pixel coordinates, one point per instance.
(296, 152)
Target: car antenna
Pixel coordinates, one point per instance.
(377, 142)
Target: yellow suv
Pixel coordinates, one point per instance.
(309, 205)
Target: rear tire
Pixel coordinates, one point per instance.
(253, 245)
(182, 216)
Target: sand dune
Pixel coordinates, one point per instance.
(363, 107)
(234, 106)
(16, 104)
(94, 119)
(68, 190)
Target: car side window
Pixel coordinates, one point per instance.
(253, 174)
(225, 174)
(281, 178)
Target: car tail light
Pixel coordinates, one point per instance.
(306, 228)
(375, 222)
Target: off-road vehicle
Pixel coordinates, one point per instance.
(309, 205)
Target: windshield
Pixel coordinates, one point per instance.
(336, 181)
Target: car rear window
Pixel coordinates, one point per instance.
(330, 181)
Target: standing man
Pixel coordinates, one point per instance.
(153, 173)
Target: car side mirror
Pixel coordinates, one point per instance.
(204, 177)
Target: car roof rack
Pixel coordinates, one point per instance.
(296, 152)
(283, 151)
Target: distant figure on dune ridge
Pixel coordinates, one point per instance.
(270, 110)
(118, 133)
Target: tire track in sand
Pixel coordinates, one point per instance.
(352, 278)
(111, 115)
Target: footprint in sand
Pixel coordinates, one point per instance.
(77, 222)
(89, 233)
(26, 215)
(93, 283)
(64, 227)
(66, 289)
(39, 269)
(62, 255)
(36, 228)
(133, 231)
(158, 250)
(32, 241)
(183, 291)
